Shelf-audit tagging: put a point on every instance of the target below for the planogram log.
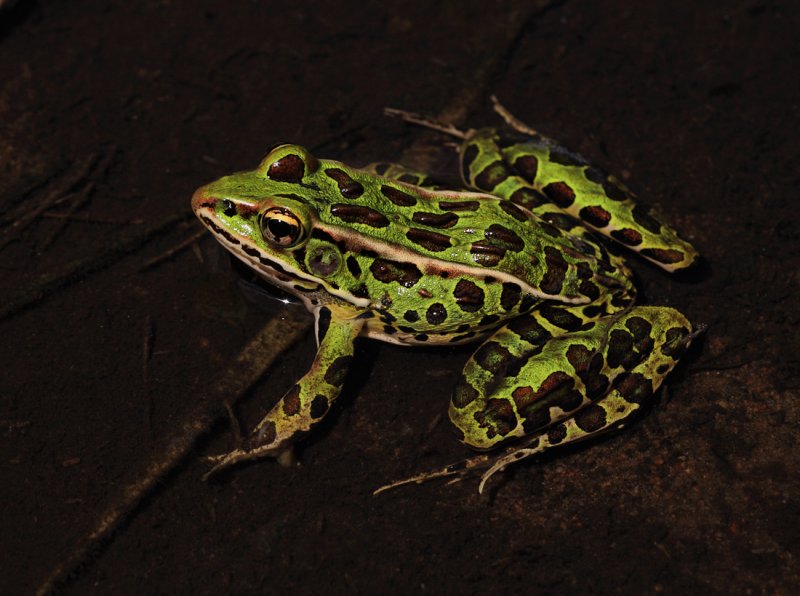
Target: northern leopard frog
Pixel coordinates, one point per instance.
(515, 263)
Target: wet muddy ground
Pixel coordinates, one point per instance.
(112, 113)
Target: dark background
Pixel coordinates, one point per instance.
(127, 107)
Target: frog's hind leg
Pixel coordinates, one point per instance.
(546, 392)
(549, 180)
(305, 404)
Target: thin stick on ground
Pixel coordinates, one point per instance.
(168, 254)
(65, 185)
(277, 336)
(80, 268)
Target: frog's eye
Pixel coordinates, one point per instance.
(281, 227)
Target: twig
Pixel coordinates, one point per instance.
(15, 228)
(253, 360)
(148, 340)
(87, 218)
(78, 269)
(83, 195)
(168, 254)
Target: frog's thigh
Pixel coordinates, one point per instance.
(308, 401)
(507, 392)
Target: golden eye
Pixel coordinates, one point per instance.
(281, 227)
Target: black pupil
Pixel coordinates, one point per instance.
(280, 229)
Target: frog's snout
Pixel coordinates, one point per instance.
(201, 200)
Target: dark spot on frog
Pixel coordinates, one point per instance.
(595, 216)
(497, 417)
(436, 314)
(353, 266)
(359, 214)
(627, 236)
(459, 205)
(510, 295)
(493, 357)
(291, 401)
(663, 255)
(553, 278)
(589, 289)
(527, 166)
(514, 211)
(429, 240)
(640, 328)
(386, 271)
(319, 405)
(289, 168)
(337, 371)
(411, 316)
(557, 434)
(591, 419)
(492, 175)
(362, 292)
(323, 323)
(620, 350)
(435, 220)
(560, 193)
(562, 221)
(464, 393)
(498, 235)
(560, 317)
(469, 297)
(389, 330)
(634, 387)
(528, 302)
(527, 197)
(349, 188)
(398, 197)
(485, 254)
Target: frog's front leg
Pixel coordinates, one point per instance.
(305, 404)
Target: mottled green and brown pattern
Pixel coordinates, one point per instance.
(384, 253)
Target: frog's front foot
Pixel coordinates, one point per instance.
(223, 461)
(258, 445)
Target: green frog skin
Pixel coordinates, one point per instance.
(513, 263)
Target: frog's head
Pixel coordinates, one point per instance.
(264, 218)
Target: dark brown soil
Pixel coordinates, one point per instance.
(695, 104)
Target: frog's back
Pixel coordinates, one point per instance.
(450, 233)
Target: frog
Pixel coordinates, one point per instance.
(525, 259)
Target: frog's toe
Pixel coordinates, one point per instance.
(226, 460)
